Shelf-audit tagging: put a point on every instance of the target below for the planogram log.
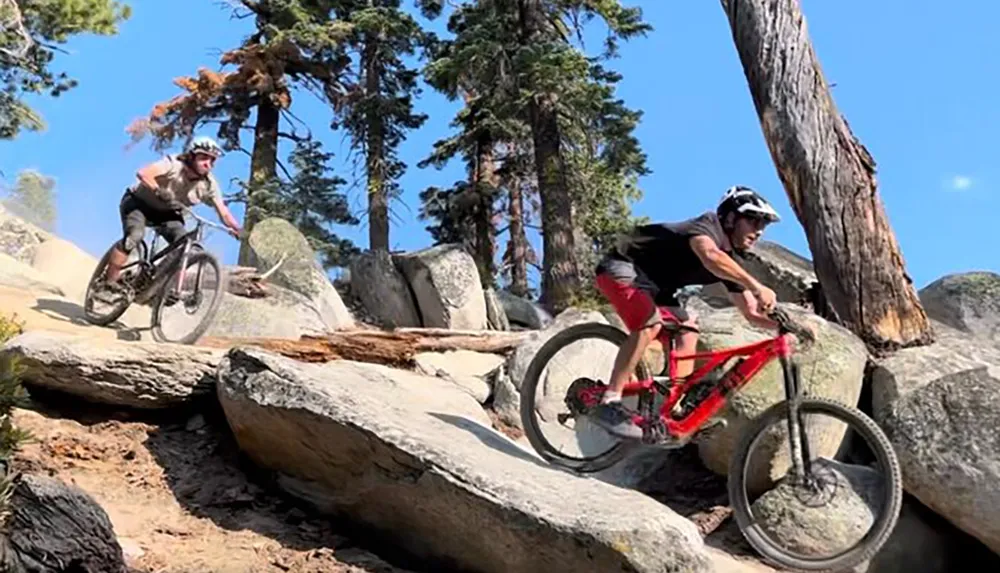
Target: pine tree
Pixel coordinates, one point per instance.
(296, 43)
(378, 107)
(30, 34)
(554, 79)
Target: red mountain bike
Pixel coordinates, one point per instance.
(699, 399)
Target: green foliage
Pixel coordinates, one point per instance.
(12, 395)
(378, 109)
(311, 201)
(33, 199)
(48, 23)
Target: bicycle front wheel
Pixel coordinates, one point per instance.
(836, 514)
(182, 315)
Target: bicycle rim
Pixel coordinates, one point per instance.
(529, 392)
(210, 293)
(97, 277)
(886, 501)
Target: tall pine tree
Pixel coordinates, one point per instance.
(378, 108)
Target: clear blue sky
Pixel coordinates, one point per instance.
(916, 81)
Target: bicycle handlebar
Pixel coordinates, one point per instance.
(205, 221)
(786, 324)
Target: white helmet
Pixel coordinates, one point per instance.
(203, 144)
(746, 202)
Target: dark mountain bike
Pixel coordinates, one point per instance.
(689, 406)
(182, 275)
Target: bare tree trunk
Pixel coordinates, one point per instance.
(828, 175)
(263, 165)
(378, 200)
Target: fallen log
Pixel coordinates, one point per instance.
(392, 348)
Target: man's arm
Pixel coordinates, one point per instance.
(722, 265)
(147, 175)
(747, 303)
(225, 215)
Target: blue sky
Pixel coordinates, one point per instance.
(917, 83)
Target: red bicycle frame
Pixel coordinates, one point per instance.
(753, 357)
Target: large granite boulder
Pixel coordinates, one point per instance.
(144, 375)
(940, 406)
(833, 367)
(969, 302)
(522, 312)
(414, 457)
(283, 313)
(383, 290)
(445, 282)
(275, 239)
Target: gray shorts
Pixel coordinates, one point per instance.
(630, 278)
(136, 215)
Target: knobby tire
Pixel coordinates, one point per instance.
(194, 258)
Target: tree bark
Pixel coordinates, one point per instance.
(263, 165)
(484, 180)
(828, 175)
(394, 348)
(378, 200)
(560, 278)
(518, 242)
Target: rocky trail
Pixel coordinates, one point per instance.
(374, 424)
(180, 496)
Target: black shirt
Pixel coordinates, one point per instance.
(663, 252)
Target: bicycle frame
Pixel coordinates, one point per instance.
(752, 358)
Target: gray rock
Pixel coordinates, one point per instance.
(383, 290)
(135, 374)
(283, 313)
(522, 312)
(945, 435)
(16, 274)
(823, 528)
(431, 473)
(19, 238)
(446, 285)
(833, 367)
(495, 315)
(969, 302)
(274, 238)
(470, 370)
(55, 527)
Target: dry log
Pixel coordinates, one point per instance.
(393, 348)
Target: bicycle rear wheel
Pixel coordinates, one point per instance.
(843, 490)
(203, 287)
(94, 288)
(580, 396)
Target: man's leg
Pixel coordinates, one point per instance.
(687, 342)
(636, 308)
(133, 227)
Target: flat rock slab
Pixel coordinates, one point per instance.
(132, 374)
(414, 457)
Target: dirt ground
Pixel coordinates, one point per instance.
(180, 500)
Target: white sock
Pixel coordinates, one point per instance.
(610, 397)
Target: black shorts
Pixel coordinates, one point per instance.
(136, 215)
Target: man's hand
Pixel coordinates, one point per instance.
(236, 233)
(766, 299)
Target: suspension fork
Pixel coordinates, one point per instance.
(183, 263)
(798, 440)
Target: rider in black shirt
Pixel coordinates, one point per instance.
(641, 275)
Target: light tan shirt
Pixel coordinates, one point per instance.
(176, 185)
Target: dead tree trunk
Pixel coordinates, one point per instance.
(828, 175)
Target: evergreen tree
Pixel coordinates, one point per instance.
(33, 199)
(30, 34)
(378, 108)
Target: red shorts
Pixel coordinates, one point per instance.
(632, 296)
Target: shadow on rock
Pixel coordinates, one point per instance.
(490, 438)
(73, 313)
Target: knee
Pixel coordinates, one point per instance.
(130, 241)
